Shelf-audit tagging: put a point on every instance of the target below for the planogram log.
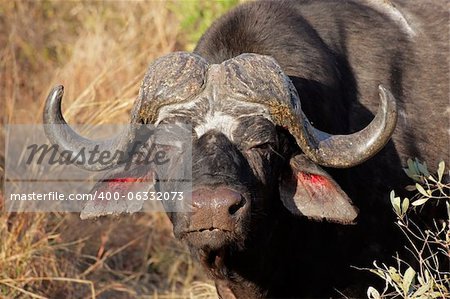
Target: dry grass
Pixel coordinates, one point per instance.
(99, 51)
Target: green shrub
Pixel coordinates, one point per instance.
(430, 246)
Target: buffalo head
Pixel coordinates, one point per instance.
(253, 149)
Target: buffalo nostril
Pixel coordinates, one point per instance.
(238, 205)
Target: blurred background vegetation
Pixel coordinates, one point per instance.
(99, 51)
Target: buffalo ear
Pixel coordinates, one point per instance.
(110, 194)
(307, 190)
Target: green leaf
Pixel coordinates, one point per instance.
(373, 293)
(422, 190)
(431, 178)
(405, 205)
(436, 295)
(420, 202)
(441, 169)
(410, 188)
(422, 168)
(411, 166)
(427, 276)
(407, 279)
(412, 171)
(448, 209)
(422, 290)
(408, 173)
(395, 201)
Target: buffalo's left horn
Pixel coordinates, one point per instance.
(60, 133)
(340, 151)
(275, 91)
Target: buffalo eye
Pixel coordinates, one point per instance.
(265, 150)
(265, 146)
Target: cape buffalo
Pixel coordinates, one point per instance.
(281, 208)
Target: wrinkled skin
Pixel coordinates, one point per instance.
(249, 169)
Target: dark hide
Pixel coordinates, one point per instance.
(337, 53)
(266, 221)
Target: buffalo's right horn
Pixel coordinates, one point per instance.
(171, 79)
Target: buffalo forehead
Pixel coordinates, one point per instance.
(242, 86)
(173, 79)
(257, 79)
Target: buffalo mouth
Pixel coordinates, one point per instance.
(208, 238)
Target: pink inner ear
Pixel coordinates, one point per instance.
(314, 179)
(124, 180)
(123, 184)
(120, 185)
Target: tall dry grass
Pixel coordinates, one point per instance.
(99, 51)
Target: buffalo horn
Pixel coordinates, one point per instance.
(61, 134)
(340, 151)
